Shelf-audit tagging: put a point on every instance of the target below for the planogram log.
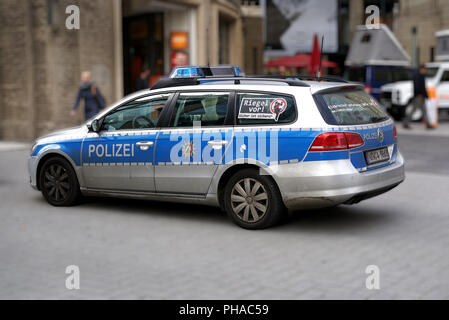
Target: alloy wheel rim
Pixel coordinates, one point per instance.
(249, 200)
(56, 182)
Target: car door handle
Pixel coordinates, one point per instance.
(144, 145)
(217, 144)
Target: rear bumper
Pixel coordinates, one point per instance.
(317, 184)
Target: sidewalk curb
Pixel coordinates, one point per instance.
(6, 146)
(418, 129)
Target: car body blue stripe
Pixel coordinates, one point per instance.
(293, 145)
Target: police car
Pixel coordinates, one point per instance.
(253, 146)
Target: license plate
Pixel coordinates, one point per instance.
(376, 156)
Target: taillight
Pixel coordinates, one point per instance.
(334, 141)
(354, 140)
(395, 134)
(368, 89)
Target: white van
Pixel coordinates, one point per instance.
(398, 96)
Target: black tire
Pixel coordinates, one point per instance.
(58, 182)
(236, 208)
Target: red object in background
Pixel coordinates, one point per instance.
(368, 89)
(136, 68)
(178, 59)
(315, 57)
(153, 79)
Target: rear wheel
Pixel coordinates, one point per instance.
(58, 182)
(253, 201)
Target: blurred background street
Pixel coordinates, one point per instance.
(137, 249)
(127, 45)
(131, 249)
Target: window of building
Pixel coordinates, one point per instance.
(143, 48)
(224, 27)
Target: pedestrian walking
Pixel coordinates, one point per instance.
(93, 100)
(419, 97)
(142, 82)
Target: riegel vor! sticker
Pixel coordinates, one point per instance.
(262, 108)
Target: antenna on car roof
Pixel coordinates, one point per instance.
(321, 57)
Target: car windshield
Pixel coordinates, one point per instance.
(431, 72)
(351, 107)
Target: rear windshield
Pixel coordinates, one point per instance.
(350, 107)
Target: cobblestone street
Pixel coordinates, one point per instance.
(128, 249)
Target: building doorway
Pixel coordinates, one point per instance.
(143, 47)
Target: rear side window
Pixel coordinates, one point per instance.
(265, 108)
(349, 107)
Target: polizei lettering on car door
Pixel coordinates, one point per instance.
(112, 150)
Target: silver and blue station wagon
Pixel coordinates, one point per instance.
(253, 146)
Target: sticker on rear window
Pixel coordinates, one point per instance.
(262, 108)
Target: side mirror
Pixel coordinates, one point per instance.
(94, 126)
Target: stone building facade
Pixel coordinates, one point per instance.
(41, 60)
(253, 37)
(427, 16)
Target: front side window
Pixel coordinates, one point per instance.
(265, 108)
(205, 108)
(351, 107)
(142, 113)
(445, 77)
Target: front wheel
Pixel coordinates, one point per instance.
(253, 201)
(58, 182)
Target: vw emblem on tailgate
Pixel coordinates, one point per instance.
(380, 135)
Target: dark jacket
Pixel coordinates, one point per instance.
(419, 85)
(92, 103)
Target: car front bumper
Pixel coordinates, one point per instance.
(32, 170)
(316, 184)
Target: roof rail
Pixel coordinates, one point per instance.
(305, 78)
(176, 82)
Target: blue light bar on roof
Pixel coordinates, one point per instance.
(206, 72)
